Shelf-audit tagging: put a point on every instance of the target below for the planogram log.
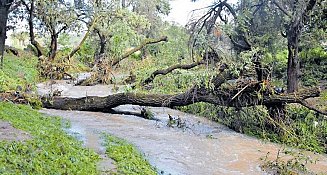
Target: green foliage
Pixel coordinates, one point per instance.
(309, 128)
(314, 66)
(301, 128)
(128, 159)
(18, 72)
(123, 37)
(287, 162)
(120, 28)
(164, 55)
(19, 39)
(64, 41)
(86, 53)
(50, 150)
(175, 49)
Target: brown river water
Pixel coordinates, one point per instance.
(200, 147)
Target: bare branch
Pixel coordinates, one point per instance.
(170, 69)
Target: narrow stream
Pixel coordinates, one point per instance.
(199, 147)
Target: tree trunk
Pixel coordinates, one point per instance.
(4, 11)
(293, 59)
(40, 50)
(103, 43)
(123, 3)
(194, 95)
(231, 97)
(53, 46)
(3, 24)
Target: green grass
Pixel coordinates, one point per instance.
(50, 151)
(128, 159)
(18, 71)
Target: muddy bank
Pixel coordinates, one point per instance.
(9, 133)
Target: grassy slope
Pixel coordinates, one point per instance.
(18, 71)
(50, 151)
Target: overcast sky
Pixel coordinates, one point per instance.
(181, 10)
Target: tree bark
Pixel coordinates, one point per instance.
(53, 46)
(37, 45)
(170, 69)
(299, 14)
(103, 43)
(4, 11)
(194, 95)
(293, 60)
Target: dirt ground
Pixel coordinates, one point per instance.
(9, 133)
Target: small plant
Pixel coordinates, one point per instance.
(146, 113)
(287, 163)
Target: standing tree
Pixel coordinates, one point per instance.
(51, 18)
(4, 11)
(297, 13)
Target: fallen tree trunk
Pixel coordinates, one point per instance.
(242, 95)
(170, 69)
(95, 103)
(12, 50)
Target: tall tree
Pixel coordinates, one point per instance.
(4, 11)
(51, 18)
(297, 12)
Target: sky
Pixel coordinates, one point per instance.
(181, 10)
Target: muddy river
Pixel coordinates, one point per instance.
(199, 147)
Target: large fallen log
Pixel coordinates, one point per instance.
(243, 95)
(95, 103)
